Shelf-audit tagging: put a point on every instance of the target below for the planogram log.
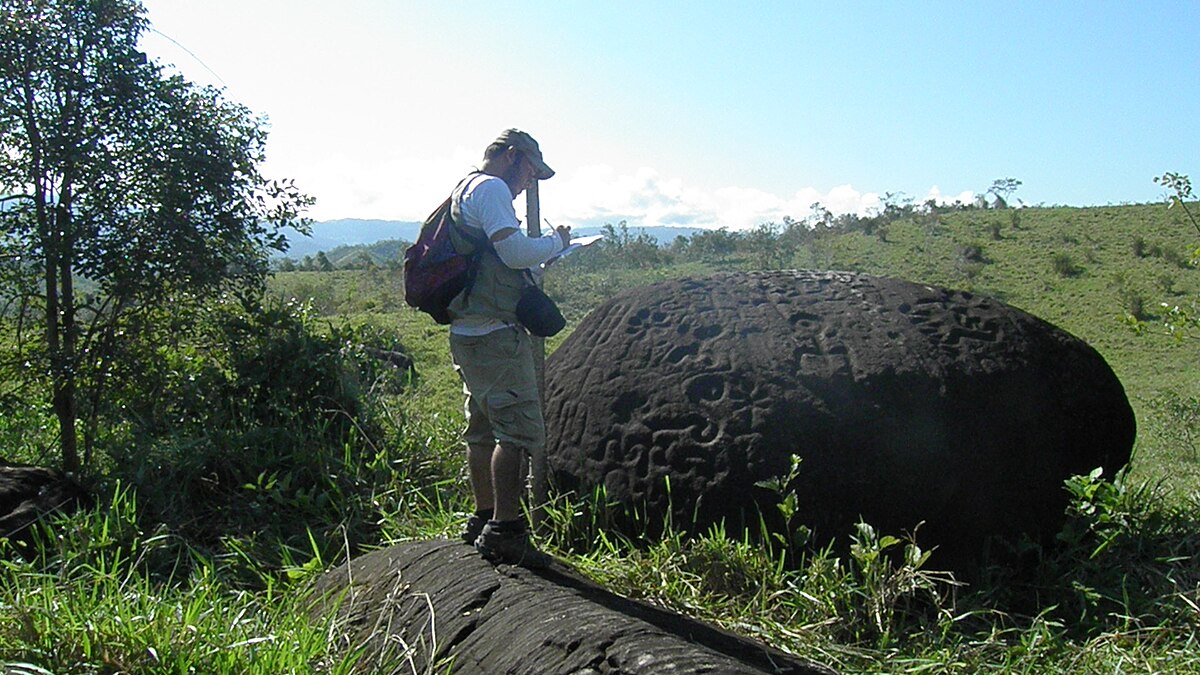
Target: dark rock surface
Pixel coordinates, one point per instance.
(906, 403)
(29, 493)
(440, 603)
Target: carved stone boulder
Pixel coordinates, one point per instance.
(905, 403)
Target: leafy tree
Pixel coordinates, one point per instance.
(793, 234)
(896, 205)
(763, 245)
(119, 175)
(623, 249)
(1002, 188)
(362, 261)
(1180, 321)
(711, 245)
(821, 218)
(1180, 194)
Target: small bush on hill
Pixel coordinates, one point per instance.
(1065, 265)
(970, 253)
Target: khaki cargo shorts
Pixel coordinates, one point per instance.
(501, 386)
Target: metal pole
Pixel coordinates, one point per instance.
(541, 488)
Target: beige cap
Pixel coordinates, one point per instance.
(528, 147)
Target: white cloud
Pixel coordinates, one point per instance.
(388, 187)
(408, 188)
(599, 194)
(935, 193)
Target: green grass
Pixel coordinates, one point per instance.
(120, 591)
(89, 606)
(1122, 595)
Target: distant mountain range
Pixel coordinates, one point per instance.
(331, 234)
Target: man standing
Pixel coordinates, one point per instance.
(493, 353)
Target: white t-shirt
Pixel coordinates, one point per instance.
(484, 202)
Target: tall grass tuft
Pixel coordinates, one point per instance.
(94, 600)
(1120, 586)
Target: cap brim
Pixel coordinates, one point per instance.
(543, 171)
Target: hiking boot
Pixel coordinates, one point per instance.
(473, 527)
(508, 542)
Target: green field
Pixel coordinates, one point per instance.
(188, 562)
(1111, 261)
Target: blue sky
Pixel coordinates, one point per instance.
(706, 113)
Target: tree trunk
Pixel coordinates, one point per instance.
(61, 379)
(50, 236)
(58, 344)
(67, 408)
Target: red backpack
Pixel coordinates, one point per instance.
(441, 264)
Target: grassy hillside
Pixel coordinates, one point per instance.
(1083, 269)
(258, 448)
(1120, 595)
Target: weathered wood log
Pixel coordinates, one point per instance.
(28, 494)
(440, 603)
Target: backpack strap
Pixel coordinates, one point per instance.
(468, 241)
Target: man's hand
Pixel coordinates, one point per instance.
(564, 231)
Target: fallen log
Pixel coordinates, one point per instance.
(28, 494)
(434, 605)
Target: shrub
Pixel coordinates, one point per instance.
(1126, 553)
(1165, 283)
(1174, 257)
(622, 250)
(253, 430)
(1065, 265)
(1135, 304)
(970, 253)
